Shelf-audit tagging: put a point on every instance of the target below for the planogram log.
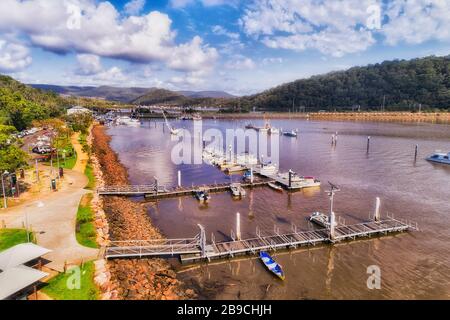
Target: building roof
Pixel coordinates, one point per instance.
(18, 278)
(20, 254)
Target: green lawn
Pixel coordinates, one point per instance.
(86, 233)
(11, 237)
(89, 172)
(65, 285)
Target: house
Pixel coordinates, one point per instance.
(78, 110)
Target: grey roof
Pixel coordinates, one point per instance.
(20, 254)
(18, 278)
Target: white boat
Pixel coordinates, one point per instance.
(268, 169)
(237, 190)
(246, 159)
(273, 130)
(237, 168)
(173, 131)
(321, 219)
(298, 182)
(293, 133)
(276, 187)
(440, 157)
(127, 121)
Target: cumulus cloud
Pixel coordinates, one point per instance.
(92, 27)
(239, 62)
(332, 27)
(88, 64)
(13, 56)
(221, 31)
(134, 7)
(417, 21)
(178, 4)
(193, 57)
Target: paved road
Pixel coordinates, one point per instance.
(53, 219)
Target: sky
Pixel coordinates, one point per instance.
(238, 46)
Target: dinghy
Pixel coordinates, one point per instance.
(275, 187)
(272, 265)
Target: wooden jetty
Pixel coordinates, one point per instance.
(196, 249)
(154, 192)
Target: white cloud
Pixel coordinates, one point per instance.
(90, 69)
(88, 64)
(239, 62)
(221, 31)
(179, 4)
(134, 7)
(268, 61)
(417, 21)
(332, 27)
(13, 56)
(101, 31)
(193, 57)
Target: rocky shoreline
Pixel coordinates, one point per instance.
(118, 219)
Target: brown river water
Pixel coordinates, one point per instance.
(413, 265)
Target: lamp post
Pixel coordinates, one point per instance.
(5, 202)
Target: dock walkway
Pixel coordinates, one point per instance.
(196, 249)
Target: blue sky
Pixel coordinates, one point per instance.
(237, 46)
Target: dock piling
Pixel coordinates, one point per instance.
(368, 144)
(377, 210)
(238, 226)
(179, 178)
(416, 152)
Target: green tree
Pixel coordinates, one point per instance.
(11, 156)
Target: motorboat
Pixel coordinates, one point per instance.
(298, 182)
(275, 187)
(439, 157)
(127, 121)
(237, 190)
(271, 265)
(202, 196)
(237, 168)
(321, 219)
(292, 133)
(268, 169)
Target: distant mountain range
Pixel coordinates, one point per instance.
(131, 95)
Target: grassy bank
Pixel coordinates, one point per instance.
(85, 230)
(59, 288)
(89, 172)
(11, 237)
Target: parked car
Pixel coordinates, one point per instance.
(42, 149)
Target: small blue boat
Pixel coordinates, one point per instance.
(272, 265)
(247, 176)
(440, 158)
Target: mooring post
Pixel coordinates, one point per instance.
(368, 144)
(251, 175)
(238, 226)
(290, 178)
(179, 178)
(377, 216)
(202, 240)
(416, 152)
(332, 225)
(156, 185)
(332, 139)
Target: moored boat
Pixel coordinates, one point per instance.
(439, 157)
(321, 219)
(237, 190)
(272, 265)
(293, 133)
(202, 196)
(275, 187)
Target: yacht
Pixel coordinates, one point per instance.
(293, 133)
(268, 169)
(237, 190)
(439, 157)
(298, 182)
(127, 121)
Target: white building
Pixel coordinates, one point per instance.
(77, 110)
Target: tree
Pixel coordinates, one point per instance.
(11, 156)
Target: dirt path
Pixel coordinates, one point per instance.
(82, 157)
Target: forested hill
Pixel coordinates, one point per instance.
(402, 84)
(21, 104)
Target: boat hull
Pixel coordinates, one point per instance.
(272, 265)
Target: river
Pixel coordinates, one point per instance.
(414, 265)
